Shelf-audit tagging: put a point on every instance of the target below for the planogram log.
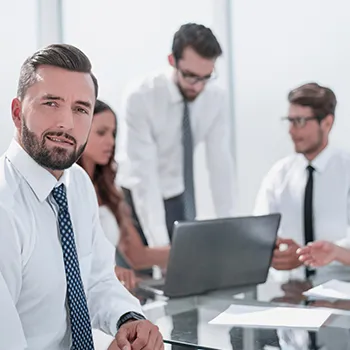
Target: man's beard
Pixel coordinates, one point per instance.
(55, 158)
(315, 147)
(184, 93)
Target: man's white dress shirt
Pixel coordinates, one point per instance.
(31, 260)
(283, 191)
(150, 151)
(11, 331)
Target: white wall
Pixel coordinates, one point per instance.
(127, 39)
(278, 45)
(18, 32)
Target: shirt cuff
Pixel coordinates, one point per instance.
(129, 316)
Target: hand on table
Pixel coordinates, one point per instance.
(137, 335)
(316, 254)
(285, 259)
(126, 277)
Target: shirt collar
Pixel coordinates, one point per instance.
(321, 161)
(39, 179)
(174, 92)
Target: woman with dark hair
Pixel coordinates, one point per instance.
(98, 161)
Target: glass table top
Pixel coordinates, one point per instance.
(184, 322)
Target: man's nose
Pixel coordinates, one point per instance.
(65, 120)
(198, 86)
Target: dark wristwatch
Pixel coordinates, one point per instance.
(129, 316)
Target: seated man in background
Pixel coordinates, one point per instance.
(54, 258)
(310, 188)
(164, 118)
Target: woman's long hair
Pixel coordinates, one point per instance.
(105, 175)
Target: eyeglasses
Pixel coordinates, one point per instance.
(300, 122)
(193, 79)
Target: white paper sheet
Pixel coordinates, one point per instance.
(333, 289)
(272, 317)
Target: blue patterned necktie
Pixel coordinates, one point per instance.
(187, 140)
(77, 304)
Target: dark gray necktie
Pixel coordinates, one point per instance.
(187, 140)
(308, 214)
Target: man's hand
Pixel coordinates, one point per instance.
(126, 277)
(285, 255)
(318, 253)
(137, 335)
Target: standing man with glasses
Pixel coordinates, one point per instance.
(311, 189)
(164, 118)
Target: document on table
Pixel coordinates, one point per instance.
(333, 289)
(272, 317)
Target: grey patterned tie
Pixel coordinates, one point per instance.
(189, 200)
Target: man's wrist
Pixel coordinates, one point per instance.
(129, 316)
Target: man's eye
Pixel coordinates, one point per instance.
(50, 104)
(82, 110)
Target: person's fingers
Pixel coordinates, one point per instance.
(283, 258)
(142, 336)
(318, 244)
(277, 254)
(304, 250)
(289, 253)
(125, 279)
(122, 338)
(285, 263)
(305, 257)
(120, 276)
(132, 279)
(310, 260)
(288, 241)
(307, 260)
(151, 340)
(159, 344)
(278, 241)
(280, 266)
(317, 263)
(113, 346)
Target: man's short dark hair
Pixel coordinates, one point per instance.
(200, 38)
(320, 99)
(57, 55)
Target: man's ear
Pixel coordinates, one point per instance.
(328, 122)
(171, 60)
(16, 108)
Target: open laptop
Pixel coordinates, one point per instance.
(217, 254)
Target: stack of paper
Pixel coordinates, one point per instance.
(272, 317)
(332, 289)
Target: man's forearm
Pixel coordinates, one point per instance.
(158, 256)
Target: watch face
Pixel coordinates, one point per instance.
(129, 316)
